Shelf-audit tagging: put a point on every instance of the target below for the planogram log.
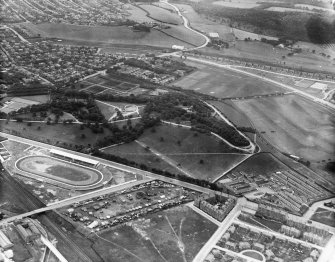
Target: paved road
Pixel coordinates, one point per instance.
(218, 233)
(186, 24)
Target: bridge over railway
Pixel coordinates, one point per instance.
(73, 200)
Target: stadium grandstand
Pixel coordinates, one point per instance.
(74, 158)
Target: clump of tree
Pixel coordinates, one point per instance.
(128, 133)
(298, 26)
(320, 30)
(177, 107)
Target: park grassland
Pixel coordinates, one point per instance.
(294, 125)
(174, 235)
(135, 152)
(202, 155)
(53, 133)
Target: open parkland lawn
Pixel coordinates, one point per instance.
(173, 235)
(135, 152)
(223, 83)
(293, 125)
(194, 147)
(69, 133)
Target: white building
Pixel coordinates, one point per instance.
(213, 35)
(319, 86)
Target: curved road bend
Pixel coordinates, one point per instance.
(186, 24)
(251, 148)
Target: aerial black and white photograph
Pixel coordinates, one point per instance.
(167, 131)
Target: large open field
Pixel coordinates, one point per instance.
(232, 112)
(222, 83)
(133, 151)
(110, 35)
(121, 35)
(174, 235)
(294, 125)
(57, 170)
(203, 156)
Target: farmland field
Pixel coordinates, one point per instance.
(200, 23)
(222, 83)
(139, 15)
(294, 125)
(232, 112)
(174, 235)
(162, 15)
(235, 4)
(108, 35)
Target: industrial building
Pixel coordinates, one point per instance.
(4, 241)
(28, 231)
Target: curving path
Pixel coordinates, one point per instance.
(251, 148)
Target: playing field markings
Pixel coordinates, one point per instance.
(180, 242)
(121, 247)
(28, 148)
(153, 244)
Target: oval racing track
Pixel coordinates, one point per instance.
(51, 179)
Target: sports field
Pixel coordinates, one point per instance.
(60, 171)
(294, 125)
(173, 235)
(222, 83)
